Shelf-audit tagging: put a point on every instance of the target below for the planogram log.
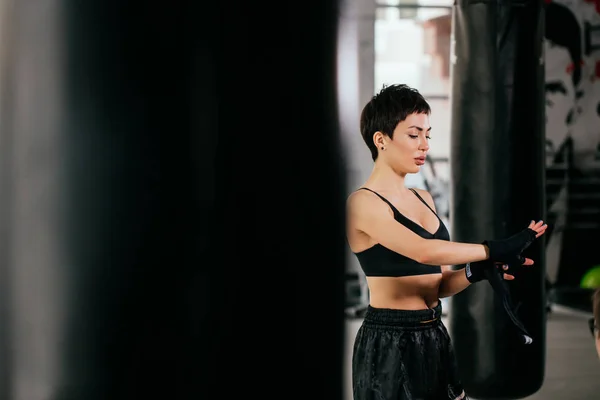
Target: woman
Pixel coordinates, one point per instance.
(402, 350)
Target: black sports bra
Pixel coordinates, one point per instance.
(381, 261)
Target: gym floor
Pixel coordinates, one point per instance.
(572, 365)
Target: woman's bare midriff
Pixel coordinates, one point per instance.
(404, 293)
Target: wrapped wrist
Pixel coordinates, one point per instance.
(475, 271)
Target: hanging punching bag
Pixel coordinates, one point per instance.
(497, 164)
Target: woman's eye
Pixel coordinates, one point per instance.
(428, 137)
(414, 136)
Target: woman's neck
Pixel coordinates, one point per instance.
(384, 177)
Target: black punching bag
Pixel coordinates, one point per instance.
(141, 150)
(497, 164)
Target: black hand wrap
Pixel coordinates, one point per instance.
(496, 278)
(508, 251)
(475, 271)
(487, 270)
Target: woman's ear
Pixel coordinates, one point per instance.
(379, 140)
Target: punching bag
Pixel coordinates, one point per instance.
(139, 188)
(498, 187)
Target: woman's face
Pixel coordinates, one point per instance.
(406, 152)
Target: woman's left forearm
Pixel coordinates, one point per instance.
(453, 282)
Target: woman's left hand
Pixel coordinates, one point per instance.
(509, 277)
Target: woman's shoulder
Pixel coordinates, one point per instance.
(357, 195)
(360, 198)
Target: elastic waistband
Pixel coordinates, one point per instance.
(392, 317)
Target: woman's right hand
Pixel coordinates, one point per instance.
(508, 250)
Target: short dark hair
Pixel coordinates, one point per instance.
(387, 109)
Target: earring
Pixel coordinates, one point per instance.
(382, 148)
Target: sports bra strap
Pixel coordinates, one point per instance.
(394, 209)
(420, 198)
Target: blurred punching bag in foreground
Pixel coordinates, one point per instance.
(130, 217)
(498, 187)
